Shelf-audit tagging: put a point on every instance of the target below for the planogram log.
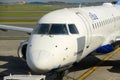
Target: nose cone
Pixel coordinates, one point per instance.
(39, 61)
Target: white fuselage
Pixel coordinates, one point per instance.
(52, 49)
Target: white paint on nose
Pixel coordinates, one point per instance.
(39, 61)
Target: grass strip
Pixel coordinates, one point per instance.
(28, 7)
(18, 20)
(22, 14)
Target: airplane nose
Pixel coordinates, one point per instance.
(39, 61)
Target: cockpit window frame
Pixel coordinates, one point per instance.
(37, 28)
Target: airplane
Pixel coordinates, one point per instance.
(66, 36)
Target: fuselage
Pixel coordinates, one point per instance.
(66, 36)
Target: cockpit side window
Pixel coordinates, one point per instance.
(73, 29)
(42, 29)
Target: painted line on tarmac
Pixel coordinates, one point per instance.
(91, 70)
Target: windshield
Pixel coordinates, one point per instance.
(54, 29)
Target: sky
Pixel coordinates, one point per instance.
(70, 1)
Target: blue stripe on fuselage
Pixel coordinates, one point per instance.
(118, 2)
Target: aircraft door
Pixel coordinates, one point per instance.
(88, 29)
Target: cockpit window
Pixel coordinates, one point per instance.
(42, 29)
(73, 29)
(58, 29)
(54, 29)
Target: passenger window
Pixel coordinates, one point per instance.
(73, 29)
(93, 26)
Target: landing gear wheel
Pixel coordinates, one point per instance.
(61, 74)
